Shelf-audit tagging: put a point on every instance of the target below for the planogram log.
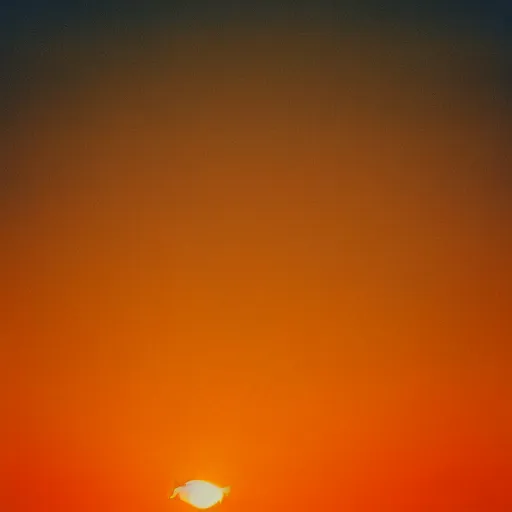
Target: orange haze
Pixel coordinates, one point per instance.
(280, 261)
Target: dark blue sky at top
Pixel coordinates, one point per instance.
(30, 25)
(35, 19)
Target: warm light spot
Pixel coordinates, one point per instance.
(200, 494)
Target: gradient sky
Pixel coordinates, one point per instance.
(271, 252)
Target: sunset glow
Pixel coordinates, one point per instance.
(277, 256)
(200, 494)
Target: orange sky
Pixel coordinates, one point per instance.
(279, 263)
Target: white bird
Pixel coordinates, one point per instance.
(200, 494)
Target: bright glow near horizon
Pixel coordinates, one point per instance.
(200, 494)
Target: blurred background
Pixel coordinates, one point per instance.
(264, 245)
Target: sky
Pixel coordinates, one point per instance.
(267, 247)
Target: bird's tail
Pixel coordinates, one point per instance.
(226, 490)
